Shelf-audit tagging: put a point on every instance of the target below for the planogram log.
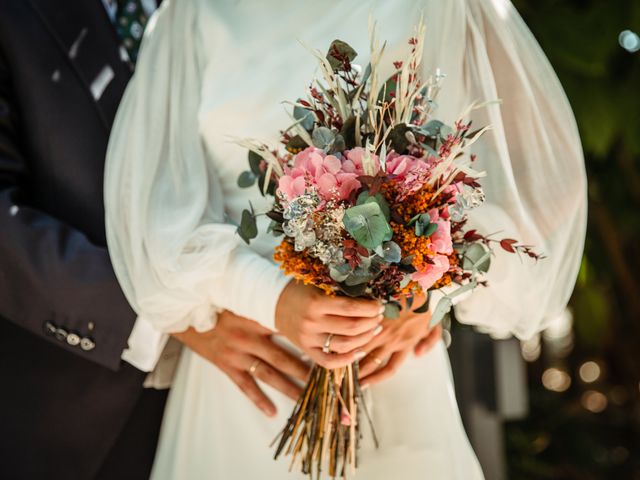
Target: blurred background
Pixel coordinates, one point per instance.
(566, 405)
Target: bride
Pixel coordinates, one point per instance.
(213, 70)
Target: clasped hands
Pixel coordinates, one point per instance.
(331, 331)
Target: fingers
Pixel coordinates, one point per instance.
(347, 326)
(269, 375)
(285, 362)
(250, 388)
(373, 361)
(350, 307)
(387, 371)
(334, 360)
(427, 343)
(346, 344)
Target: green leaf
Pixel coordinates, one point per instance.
(388, 89)
(254, 162)
(391, 310)
(476, 256)
(390, 251)
(322, 137)
(442, 308)
(339, 50)
(304, 114)
(398, 138)
(378, 198)
(248, 228)
(367, 225)
(430, 229)
(246, 179)
(353, 290)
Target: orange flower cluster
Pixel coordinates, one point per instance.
(405, 236)
(302, 267)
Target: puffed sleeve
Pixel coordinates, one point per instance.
(536, 183)
(175, 255)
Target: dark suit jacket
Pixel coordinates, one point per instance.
(64, 392)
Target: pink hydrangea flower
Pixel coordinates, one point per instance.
(432, 273)
(411, 172)
(441, 239)
(353, 161)
(313, 168)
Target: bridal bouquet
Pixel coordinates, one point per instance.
(371, 195)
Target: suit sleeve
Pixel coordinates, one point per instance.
(53, 281)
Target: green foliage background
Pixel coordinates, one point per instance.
(561, 439)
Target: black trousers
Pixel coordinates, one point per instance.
(131, 458)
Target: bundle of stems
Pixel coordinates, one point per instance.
(324, 429)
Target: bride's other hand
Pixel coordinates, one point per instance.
(244, 351)
(408, 333)
(310, 319)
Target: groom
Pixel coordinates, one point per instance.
(70, 407)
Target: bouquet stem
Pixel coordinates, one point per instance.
(324, 427)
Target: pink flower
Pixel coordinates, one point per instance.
(441, 239)
(400, 165)
(353, 161)
(432, 273)
(314, 169)
(410, 172)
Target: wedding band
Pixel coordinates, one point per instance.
(326, 348)
(254, 366)
(377, 360)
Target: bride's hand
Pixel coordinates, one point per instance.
(408, 333)
(306, 316)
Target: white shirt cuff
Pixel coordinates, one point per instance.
(145, 345)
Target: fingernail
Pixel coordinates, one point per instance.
(381, 311)
(304, 357)
(377, 330)
(270, 411)
(359, 355)
(364, 387)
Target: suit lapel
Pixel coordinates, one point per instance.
(83, 31)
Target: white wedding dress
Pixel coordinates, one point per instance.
(214, 70)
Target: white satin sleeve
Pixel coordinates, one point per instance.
(536, 182)
(177, 259)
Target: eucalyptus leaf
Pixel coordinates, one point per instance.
(338, 274)
(305, 115)
(391, 252)
(378, 198)
(353, 290)
(477, 257)
(367, 225)
(322, 137)
(248, 228)
(337, 51)
(246, 179)
(255, 161)
(391, 310)
(398, 138)
(442, 308)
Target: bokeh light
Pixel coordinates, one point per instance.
(594, 401)
(589, 372)
(629, 40)
(556, 380)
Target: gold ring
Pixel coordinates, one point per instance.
(254, 366)
(377, 360)
(326, 348)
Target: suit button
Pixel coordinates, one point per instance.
(73, 339)
(87, 344)
(49, 328)
(61, 334)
